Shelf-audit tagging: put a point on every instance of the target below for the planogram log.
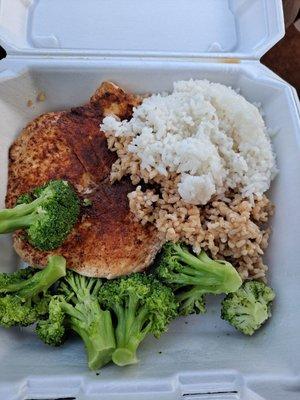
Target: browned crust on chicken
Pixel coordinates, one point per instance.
(107, 241)
(113, 100)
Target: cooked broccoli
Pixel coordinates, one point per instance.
(52, 330)
(77, 308)
(24, 294)
(25, 198)
(48, 214)
(140, 305)
(191, 276)
(249, 307)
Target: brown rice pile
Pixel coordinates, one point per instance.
(230, 227)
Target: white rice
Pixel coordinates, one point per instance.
(206, 132)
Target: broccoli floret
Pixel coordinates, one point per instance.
(52, 331)
(48, 214)
(249, 307)
(16, 312)
(25, 198)
(77, 308)
(192, 277)
(191, 300)
(140, 305)
(24, 295)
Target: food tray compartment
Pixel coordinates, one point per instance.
(200, 354)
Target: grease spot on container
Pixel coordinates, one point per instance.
(227, 60)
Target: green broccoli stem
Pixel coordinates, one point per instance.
(12, 224)
(21, 216)
(101, 344)
(21, 210)
(209, 273)
(201, 265)
(194, 292)
(40, 281)
(95, 328)
(130, 331)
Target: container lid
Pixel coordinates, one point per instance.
(178, 28)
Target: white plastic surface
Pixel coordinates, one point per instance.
(205, 358)
(240, 28)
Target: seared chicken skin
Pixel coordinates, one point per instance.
(107, 241)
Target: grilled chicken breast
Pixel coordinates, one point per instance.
(107, 241)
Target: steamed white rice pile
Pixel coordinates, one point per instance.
(206, 133)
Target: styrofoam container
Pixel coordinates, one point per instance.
(66, 48)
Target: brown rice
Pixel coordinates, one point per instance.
(230, 227)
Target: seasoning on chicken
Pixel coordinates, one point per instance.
(107, 241)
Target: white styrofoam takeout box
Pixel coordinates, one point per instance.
(66, 48)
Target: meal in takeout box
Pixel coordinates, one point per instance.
(130, 209)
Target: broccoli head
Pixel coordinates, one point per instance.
(192, 276)
(24, 295)
(77, 309)
(140, 305)
(52, 330)
(249, 307)
(48, 214)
